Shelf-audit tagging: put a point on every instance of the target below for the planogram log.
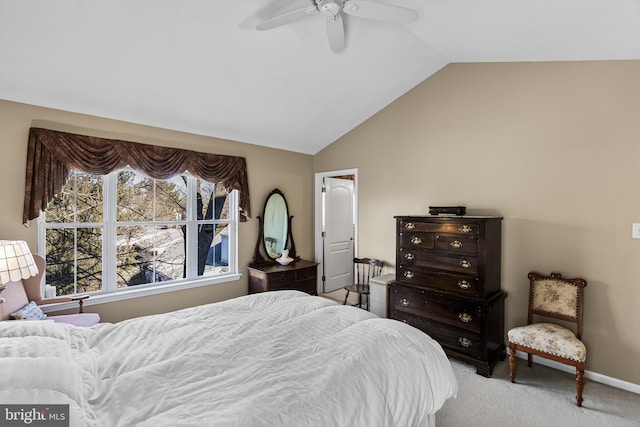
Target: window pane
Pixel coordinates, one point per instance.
(88, 198)
(79, 201)
(149, 254)
(62, 244)
(171, 199)
(89, 267)
(135, 197)
(60, 260)
(213, 249)
(170, 256)
(213, 202)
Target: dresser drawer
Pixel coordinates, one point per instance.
(451, 227)
(418, 240)
(448, 337)
(306, 273)
(457, 244)
(411, 257)
(468, 286)
(282, 280)
(438, 308)
(308, 286)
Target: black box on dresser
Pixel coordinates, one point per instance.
(448, 284)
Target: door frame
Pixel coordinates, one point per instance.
(318, 216)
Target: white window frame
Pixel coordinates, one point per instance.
(109, 291)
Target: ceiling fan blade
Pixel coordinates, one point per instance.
(286, 18)
(335, 33)
(379, 11)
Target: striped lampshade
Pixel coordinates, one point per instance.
(16, 261)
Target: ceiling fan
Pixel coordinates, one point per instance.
(333, 9)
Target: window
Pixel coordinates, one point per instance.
(123, 231)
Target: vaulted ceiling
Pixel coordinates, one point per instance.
(201, 67)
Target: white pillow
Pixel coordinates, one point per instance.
(30, 311)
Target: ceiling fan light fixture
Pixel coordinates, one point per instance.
(330, 8)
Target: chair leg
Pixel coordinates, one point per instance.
(529, 359)
(512, 363)
(345, 298)
(579, 385)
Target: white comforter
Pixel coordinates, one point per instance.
(271, 359)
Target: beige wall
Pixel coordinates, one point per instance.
(552, 147)
(267, 169)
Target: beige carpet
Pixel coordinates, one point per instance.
(541, 397)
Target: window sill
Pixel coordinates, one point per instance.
(139, 292)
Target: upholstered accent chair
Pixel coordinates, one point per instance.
(552, 297)
(365, 269)
(25, 296)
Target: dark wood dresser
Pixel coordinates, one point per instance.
(448, 284)
(301, 275)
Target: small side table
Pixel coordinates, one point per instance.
(301, 275)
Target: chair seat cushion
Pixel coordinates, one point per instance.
(549, 338)
(80, 319)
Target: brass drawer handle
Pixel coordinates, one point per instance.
(465, 317)
(463, 284)
(416, 240)
(465, 264)
(408, 274)
(404, 302)
(465, 342)
(409, 226)
(465, 229)
(409, 256)
(456, 244)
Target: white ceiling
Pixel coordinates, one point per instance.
(199, 66)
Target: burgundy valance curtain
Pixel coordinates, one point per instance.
(52, 155)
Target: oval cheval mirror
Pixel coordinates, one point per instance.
(274, 234)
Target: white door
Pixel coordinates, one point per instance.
(338, 226)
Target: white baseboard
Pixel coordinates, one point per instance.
(594, 376)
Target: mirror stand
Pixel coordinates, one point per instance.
(257, 256)
(292, 245)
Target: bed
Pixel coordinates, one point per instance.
(281, 358)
